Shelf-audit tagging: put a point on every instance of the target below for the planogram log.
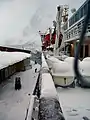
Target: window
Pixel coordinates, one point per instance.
(71, 33)
(81, 52)
(81, 12)
(70, 22)
(79, 27)
(85, 9)
(76, 16)
(67, 35)
(86, 50)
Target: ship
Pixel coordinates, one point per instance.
(60, 58)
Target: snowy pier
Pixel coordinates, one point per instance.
(14, 104)
(12, 62)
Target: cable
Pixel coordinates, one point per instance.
(80, 78)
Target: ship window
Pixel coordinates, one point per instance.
(76, 17)
(81, 52)
(73, 19)
(85, 9)
(69, 35)
(86, 50)
(81, 12)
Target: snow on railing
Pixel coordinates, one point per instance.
(32, 110)
(49, 108)
(47, 87)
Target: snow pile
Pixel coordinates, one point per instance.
(9, 58)
(47, 87)
(51, 60)
(62, 69)
(70, 61)
(87, 59)
(63, 57)
(85, 67)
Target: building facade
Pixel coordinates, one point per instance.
(72, 30)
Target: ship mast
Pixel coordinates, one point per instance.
(58, 29)
(50, 31)
(62, 15)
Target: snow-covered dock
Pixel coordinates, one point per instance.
(14, 104)
(12, 62)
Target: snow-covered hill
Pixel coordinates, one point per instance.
(20, 20)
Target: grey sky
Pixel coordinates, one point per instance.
(20, 20)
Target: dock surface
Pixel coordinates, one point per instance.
(13, 104)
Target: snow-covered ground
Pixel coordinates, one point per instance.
(13, 104)
(75, 103)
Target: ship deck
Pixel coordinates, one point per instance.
(75, 102)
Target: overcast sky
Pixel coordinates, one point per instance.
(20, 20)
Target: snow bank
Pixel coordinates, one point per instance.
(62, 69)
(47, 87)
(9, 58)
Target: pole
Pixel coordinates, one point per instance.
(50, 31)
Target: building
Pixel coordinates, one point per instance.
(72, 30)
(10, 49)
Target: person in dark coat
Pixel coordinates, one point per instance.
(17, 83)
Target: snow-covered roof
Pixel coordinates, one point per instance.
(9, 58)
